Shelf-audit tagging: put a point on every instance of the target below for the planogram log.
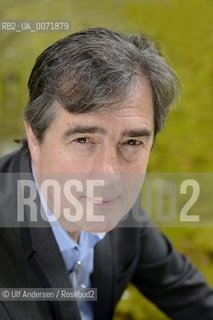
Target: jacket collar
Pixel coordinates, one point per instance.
(42, 252)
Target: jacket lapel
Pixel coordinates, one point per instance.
(44, 256)
(47, 263)
(103, 279)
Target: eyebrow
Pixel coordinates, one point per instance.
(137, 133)
(83, 129)
(78, 129)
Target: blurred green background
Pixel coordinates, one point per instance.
(184, 30)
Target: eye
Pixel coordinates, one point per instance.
(133, 142)
(82, 140)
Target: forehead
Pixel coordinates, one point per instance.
(135, 112)
(137, 105)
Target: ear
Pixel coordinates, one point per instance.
(33, 143)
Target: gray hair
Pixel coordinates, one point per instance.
(94, 70)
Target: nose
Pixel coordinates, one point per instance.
(107, 162)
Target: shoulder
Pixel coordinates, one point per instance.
(15, 162)
(7, 162)
(10, 169)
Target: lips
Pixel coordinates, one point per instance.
(102, 200)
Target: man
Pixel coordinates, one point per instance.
(97, 99)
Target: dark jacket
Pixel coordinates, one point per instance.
(29, 257)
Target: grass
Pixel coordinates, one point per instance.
(184, 30)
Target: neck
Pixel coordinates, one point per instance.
(74, 235)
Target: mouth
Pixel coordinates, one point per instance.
(101, 202)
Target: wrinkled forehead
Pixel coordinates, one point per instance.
(133, 111)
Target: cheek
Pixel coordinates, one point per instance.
(50, 163)
(63, 164)
(140, 166)
(145, 157)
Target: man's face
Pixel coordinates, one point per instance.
(98, 159)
